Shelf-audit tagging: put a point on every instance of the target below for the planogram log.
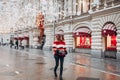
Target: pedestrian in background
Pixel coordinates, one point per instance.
(11, 43)
(16, 44)
(59, 50)
(43, 41)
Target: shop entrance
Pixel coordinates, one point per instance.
(82, 37)
(109, 39)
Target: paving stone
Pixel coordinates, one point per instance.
(87, 78)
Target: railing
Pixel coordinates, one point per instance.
(94, 7)
(106, 4)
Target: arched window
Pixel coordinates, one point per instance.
(109, 33)
(109, 28)
(82, 37)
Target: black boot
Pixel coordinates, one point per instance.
(61, 77)
(55, 73)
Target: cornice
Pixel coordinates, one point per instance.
(105, 11)
(70, 20)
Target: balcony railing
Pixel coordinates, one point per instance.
(106, 4)
(95, 7)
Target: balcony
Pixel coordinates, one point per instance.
(105, 5)
(95, 9)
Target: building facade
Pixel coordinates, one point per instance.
(89, 26)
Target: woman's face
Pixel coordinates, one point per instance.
(58, 37)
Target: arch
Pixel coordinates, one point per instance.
(82, 36)
(82, 31)
(60, 32)
(109, 33)
(59, 28)
(108, 22)
(114, 18)
(83, 27)
(79, 25)
(109, 28)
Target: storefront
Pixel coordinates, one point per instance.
(26, 41)
(82, 37)
(109, 36)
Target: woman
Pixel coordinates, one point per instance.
(59, 51)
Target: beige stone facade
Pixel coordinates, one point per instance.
(94, 20)
(71, 16)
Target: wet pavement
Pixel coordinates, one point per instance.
(34, 64)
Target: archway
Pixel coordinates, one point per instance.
(82, 37)
(109, 36)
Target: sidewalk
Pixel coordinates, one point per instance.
(108, 65)
(34, 64)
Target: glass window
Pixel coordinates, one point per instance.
(77, 41)
(111, 42)
(82, 6)
(86, 5)
(83, 42)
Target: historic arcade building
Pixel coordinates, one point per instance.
(90, 26)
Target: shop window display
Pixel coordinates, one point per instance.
(82, 37)
(83, 42)
(109, 32)
(111, 42)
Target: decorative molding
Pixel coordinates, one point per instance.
(105, 11)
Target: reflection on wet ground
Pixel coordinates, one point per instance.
(38, 65)
(108, 65)
(86, 78)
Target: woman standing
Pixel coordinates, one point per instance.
(59, 50)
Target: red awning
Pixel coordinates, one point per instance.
(20, 38)
(26, 37)
(82, 32)
(108, 32)
(109, 26)
(109, 29)
(15, 38)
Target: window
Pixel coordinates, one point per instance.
(109, 32)
(111, 42)
(82, 37)
(82, 6)
(83, 42)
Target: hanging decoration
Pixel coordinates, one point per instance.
(40, 24)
